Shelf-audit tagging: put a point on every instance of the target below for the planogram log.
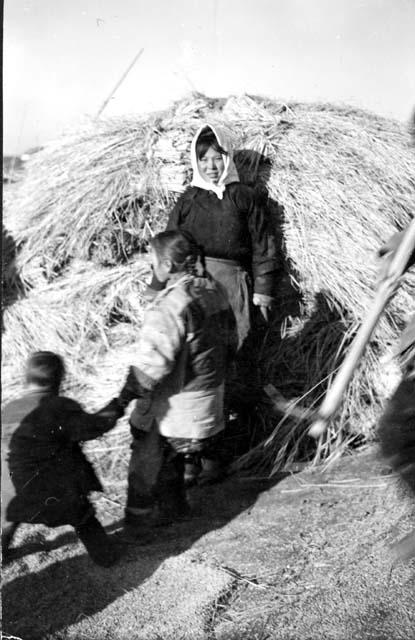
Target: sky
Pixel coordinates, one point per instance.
(62, 58)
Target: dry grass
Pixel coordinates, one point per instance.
(344, 182)
(83, 316)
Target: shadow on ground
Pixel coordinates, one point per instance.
(57, 590)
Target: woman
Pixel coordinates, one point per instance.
(224, 217)
(185, 344)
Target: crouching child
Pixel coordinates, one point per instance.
(46, 478)
(186, 342)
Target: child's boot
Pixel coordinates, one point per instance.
(97, 542)
(137, 525)
(212, 471)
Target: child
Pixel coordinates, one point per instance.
(186, 341)
(45, 475)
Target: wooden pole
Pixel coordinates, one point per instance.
(386, 289)
(120, 81)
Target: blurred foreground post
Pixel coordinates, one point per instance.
(387, 287)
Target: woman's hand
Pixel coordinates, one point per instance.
(264, 312)
(264, 303)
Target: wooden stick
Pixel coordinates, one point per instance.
(120, 81)
(386, 289)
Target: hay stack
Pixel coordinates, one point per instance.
(343, 181)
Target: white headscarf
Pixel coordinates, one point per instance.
(230, 173)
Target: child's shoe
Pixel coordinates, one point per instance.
(169, 514)
(99, 545)
(212, 471)
(137, 525)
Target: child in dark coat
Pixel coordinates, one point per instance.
(45, 476)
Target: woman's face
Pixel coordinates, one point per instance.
(211, 165)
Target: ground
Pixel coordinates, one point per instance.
(305, 556)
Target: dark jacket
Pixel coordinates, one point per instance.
(232, 228)
(46, 474)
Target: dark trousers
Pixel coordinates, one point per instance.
(155, 477)
(143, 470)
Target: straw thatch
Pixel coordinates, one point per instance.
(338, 182)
